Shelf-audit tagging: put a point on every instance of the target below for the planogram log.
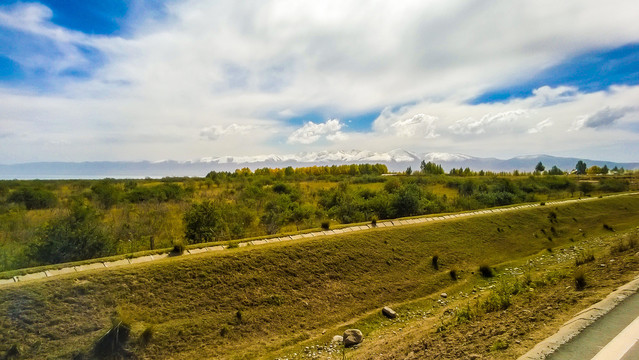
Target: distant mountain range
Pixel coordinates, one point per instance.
(396, 160)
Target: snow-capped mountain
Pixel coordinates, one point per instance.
(395, 160)
(397, 155)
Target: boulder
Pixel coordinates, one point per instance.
(389, 313)
(338, 339)
(352, 337)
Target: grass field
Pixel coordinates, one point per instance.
(288, 295)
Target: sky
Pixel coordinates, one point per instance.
(130, 80)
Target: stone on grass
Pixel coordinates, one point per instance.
(338, 339)
(352, 337)
(389, 313)
(444, 295)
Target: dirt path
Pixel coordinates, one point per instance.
(101, 265)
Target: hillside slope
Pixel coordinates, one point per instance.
(258, 302)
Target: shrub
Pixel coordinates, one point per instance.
(178, 249)
(33, 198)
(374, 221)
(464, 314)
(453, 274)
(435, 262)
(77, 236)
(580, 279)
(326, 225)
(499, 299)
(499, 345)
(204, 222)
(486, 271)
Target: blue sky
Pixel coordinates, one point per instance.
(147, 80)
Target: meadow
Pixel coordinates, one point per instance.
(279, 299)
(58, 221)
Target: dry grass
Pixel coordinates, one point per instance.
(287, 293)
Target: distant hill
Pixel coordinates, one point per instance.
(396, 160)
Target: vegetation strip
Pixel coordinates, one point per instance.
(101, 265)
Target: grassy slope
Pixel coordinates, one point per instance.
(287, 292)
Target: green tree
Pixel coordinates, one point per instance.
(409, 170)
(204, 222)
(555, 171)
(581, 167)
(277, 212)
(406, 202)
(540, 167)
(430, 168)
(76, 236)
(604, 169)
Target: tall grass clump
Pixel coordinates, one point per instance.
(453, 274)
(623, 245)
(486, 271)
(147, 335)
(580, 279)
(499, 298)
(584, 257)
(113, 343)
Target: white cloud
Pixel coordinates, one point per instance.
(500, 122)
(540, 126)
(312, 132)
(215, 132)
(546, 95)
(421, 125)
(225, 62)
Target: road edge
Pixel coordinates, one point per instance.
(581, 321)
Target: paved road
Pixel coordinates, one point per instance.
(612, 337)
(389, 223)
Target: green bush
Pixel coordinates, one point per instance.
(77, 236)
(204, 222)
(33, 198)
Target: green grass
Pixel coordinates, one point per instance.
(286, 293)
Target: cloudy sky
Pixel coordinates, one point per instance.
(87, 80)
